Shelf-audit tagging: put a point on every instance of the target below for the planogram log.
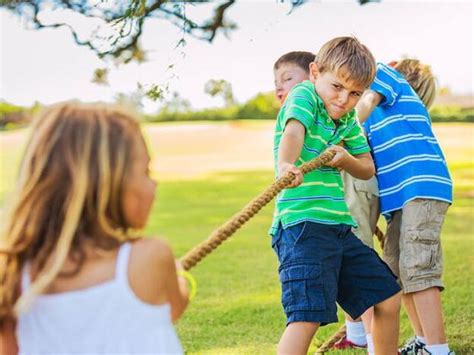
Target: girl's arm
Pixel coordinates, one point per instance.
(8, 343)
(154, 278)
(176, 286)
(178, 292)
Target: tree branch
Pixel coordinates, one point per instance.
(125, 44)
(128, 17)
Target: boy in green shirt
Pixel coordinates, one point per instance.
(290, 69)
(321, 261)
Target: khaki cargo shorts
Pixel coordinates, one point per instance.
(362, 199)
(413, 246)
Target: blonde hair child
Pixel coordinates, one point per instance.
(420, 77)
(67, 255)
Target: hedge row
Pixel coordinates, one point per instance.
(262, 106)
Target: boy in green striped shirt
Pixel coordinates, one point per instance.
(321, 261)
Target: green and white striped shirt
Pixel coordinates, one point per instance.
(320, 198)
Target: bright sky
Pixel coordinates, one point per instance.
(47, 65)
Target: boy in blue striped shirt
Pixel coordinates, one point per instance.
(415, 192)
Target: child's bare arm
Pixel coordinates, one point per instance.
(290, 149)
(154, 278)
(369, 100)
(360, 166)
(178, 293)
(8, 342)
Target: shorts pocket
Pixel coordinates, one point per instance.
(302, 288)
(420, 254)
(423, 254)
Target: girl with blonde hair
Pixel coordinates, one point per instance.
(420, 77)
(73, 279)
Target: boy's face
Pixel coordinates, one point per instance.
(286, 76)
(338, 92)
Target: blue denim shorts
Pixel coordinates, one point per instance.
(321, 264)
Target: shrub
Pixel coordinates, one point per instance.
(12, 116)
(261, 106)
(451, 113)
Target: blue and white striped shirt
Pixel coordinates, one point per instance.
(407, 156)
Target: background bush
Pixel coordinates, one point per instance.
(261, 106)
(452, 113)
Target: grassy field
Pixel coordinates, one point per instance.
(237, 308)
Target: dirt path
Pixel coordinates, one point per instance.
(196, 149)
(185, 151)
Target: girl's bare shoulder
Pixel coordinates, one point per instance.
(151, 264)
(152, 250)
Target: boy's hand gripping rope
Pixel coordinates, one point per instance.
(227, 229)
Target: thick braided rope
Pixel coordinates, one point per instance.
(227, 229)
(328, 344)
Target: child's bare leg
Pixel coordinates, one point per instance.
(386, 324)
(367, 320)
(412, 314)
(296, 338)
(429, 310)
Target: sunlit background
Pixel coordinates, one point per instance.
(47, 66)
(209, 170)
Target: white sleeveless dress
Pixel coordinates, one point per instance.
(104, 319)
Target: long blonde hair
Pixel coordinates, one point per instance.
(69, 190)
(420, 78)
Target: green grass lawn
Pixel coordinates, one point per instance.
(237, 308)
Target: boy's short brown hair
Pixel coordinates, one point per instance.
(349, 54)
(420, 78)
(300, 58)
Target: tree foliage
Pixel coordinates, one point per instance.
(176, 104)
(220, 88)
(261, 106)
(125, 21)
